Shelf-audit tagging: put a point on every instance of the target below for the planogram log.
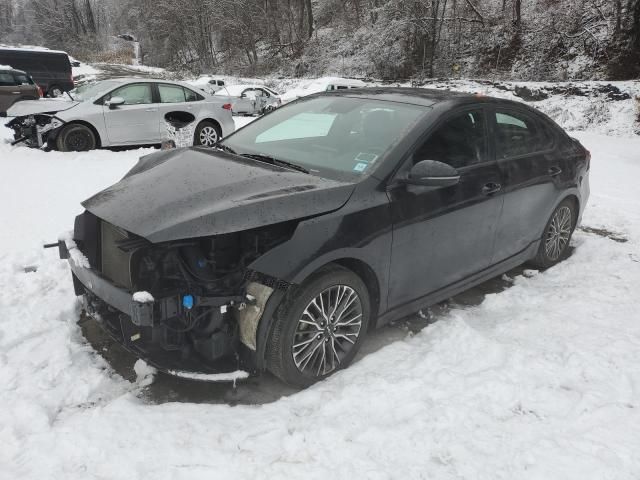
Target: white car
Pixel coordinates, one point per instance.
(324, 84)
(119, 112)
(251, 99)
(208, 84)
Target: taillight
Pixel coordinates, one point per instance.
(587, 156)
(227, 106)
(40, 92)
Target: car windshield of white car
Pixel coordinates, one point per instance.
(90, 90)
(343, 135)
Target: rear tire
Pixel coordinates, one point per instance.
(557, 235)
(76, 138)
(319, 327)
(207, 134)
(55, 91)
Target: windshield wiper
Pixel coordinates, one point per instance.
(275, 161)
(224, 148)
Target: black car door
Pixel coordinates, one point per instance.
(442, 235)
(525, 154)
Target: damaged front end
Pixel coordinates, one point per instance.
(186, 305)
(36, 130)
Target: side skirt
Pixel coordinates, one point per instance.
(458, 287)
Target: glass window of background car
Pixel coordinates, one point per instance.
(171, 93)
(22, 79)
(6, 80)
(518, 134)
(191, 96)
(329, 134)
(136, 94)
(459, 142)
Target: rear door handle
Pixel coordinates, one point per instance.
(151, 110)
(491, 188)
(15, 93)
(553, 171)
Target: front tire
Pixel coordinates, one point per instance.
(319, 327)
(76, 138)
(557, 235)
(207, 134)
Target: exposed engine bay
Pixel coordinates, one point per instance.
(37, 130)
(195, 298)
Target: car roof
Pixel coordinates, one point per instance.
(427, 97)
(32, 49)
(124, 80)
(235, 90)
(6, 68)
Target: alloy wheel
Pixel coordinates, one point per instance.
(208, 136)
(558, 233)
(327, 330)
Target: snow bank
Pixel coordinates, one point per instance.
(538, 381)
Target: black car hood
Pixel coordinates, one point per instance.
(196, 192)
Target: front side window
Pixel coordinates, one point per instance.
(171, 93)
(136, 94)
(339, 137)
(518, 134)
(459, 142)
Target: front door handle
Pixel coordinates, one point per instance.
(15, 93)
(553, 171)
(151, 110)
(491, 188)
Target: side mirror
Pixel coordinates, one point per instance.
(114, 102)
(430, 173)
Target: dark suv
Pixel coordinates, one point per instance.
(16, 85)
(50, 69)
(319, 221)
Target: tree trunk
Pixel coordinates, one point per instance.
(309, 18)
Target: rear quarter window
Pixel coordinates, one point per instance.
(520, 134)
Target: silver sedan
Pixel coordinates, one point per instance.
(119, 112)
(251, 99)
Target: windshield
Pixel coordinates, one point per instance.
(90, 90)
(329, 135)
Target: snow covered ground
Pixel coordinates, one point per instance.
(539, 381)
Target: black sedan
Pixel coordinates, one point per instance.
(328, 217)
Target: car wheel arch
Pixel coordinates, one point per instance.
(93, 129)
(214, 121)
(356, 265)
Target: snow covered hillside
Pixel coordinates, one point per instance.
(539, 381)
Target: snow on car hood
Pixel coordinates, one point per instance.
(199, 192)
(44, 105)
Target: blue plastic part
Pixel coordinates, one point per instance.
(187, 302)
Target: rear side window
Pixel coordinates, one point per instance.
(171, 93)
(6, 80)
(518, 134)
(459, 142)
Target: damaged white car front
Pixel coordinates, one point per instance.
(37, 122)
